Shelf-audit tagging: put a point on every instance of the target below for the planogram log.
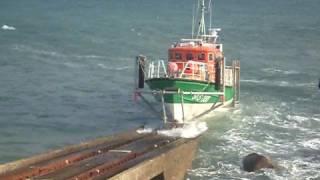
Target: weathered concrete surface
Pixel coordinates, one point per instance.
(170, 164)
(127, 155)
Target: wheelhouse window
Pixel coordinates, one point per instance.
(171, 56)
(210, 57)
(189, 56)
(201, 56)
(178, 56)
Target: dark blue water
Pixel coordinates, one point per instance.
(66, 76)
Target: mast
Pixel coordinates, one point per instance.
(212, 35)
(202, 24)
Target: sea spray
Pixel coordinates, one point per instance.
(145, 130)
(190, 130)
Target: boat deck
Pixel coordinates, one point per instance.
(102, 158)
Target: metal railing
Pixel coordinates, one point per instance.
(157, 69)
(184, 70)
(191, 70)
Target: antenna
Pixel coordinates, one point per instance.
(210, 13)
(196, 11)
(193, 11)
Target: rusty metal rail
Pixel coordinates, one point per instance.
(94, 160)
(114, 166)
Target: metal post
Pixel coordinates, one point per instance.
(136, 63)
(164, 69)
(238, 80)
(192, 70)
(182, 108)
(163, 109)
(223, 64)
(234, 83)
(158, 69)
(149, 70)
(152, 70)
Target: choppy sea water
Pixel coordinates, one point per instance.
(66, 76)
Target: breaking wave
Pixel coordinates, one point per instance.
(9, 28)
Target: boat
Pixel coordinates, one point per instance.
(195, 80)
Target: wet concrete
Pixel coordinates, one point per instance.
(127, 155)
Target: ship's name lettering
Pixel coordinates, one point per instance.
(200, 98)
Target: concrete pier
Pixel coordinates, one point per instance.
(122, 156)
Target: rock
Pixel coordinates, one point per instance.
(254, 162)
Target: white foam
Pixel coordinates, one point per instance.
(312, 144)
(24, 48)
(283, 83)
(204, 171)
(90, 56)
(72, 65)
(316, 119)
(6, 27)
(144, 130)
(255, 81)
(190, 130)
(280, 71)
(301, 168)
(122, 68)
(278, 83)
(103, 66)
(299, 119)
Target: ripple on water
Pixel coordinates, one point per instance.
(311, 143)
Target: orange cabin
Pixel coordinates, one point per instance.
(181, 54)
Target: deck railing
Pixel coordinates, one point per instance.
(156, 69)
(187, 70)
(191, 70)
